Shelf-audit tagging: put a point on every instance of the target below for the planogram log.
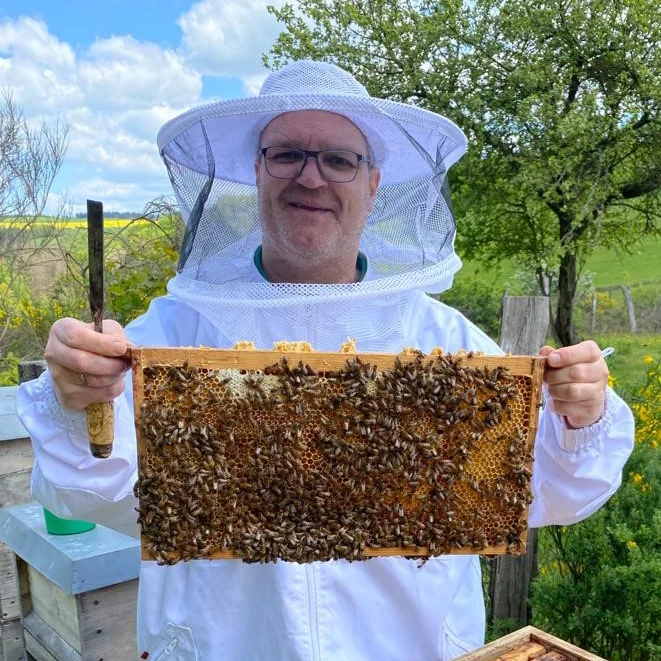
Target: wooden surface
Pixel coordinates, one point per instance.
(76, 593)
(99, 572)
(12, 647)
(254, 360)
(248, 360)
(524, 324)
(107, 620)
(99, 624)
(523, 330)
(100, 428)
(494, 649)
(57, 608)
(44, 644)
(16, 460)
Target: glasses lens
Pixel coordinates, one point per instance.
(284, 162)
(334, 164)
(338, 165)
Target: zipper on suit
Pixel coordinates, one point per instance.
(164, 649)
(315, 654)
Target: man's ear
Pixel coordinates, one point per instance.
(375, 180)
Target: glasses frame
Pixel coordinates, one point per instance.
(309, 153)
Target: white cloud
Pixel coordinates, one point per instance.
(124, 72)
(39, 69)
(252, 84)
(28, 39)
(115, 94)
(228, 37)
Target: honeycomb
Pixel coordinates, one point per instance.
(304, 456)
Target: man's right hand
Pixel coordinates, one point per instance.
(86, 366)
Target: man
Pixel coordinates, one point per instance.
(314, 212)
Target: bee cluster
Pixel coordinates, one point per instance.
(429, 457)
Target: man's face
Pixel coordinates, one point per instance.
(312, 227)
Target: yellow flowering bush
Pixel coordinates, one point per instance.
(601, 581)
(647, 406)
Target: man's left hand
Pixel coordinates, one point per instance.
(576, 377)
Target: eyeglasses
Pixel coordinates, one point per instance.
(336, 165)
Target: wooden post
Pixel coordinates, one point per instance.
(30, 369)
(524, 325)
(593, 321)
(631, 311)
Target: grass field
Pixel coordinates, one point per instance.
(607, 267)
(627, 363)
(79, 223)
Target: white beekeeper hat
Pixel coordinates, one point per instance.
(210, 153)
(402, 137)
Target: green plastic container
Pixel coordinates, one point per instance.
(57, 526)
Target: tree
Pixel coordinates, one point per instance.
(30, 158)
(560, 100)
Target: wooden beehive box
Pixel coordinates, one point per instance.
(530, 644)
(303, 456)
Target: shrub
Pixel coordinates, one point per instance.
(600, 580)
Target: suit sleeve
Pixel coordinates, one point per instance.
(576, 471)
(66, 478)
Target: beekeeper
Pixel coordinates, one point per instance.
(313, 212)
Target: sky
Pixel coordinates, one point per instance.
(116, 71)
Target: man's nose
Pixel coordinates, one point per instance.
(311, 176)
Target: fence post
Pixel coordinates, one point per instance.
(631, 311)
(524, 325)
(30, 369)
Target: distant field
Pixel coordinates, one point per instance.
(644, 265)
(79, 223)
(607, 267)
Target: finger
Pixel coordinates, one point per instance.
(584, 352)
(578, 373)
(93, 380)
(66, 363)
(576, 392)
(73, 333)
(579, 414)
(77, 397)
(545, 350)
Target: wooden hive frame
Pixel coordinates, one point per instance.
(529, 644)
(302, 456)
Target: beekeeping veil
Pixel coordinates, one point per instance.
(408, 240)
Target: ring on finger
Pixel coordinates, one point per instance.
(82, 378)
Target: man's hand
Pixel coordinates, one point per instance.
(577, 377)
(86, 366)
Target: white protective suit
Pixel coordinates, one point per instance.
(390, 609)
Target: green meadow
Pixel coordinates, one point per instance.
(639, 270)
(607, 268)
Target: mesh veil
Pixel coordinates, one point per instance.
(209, 153)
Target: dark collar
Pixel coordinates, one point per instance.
(361, 264)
